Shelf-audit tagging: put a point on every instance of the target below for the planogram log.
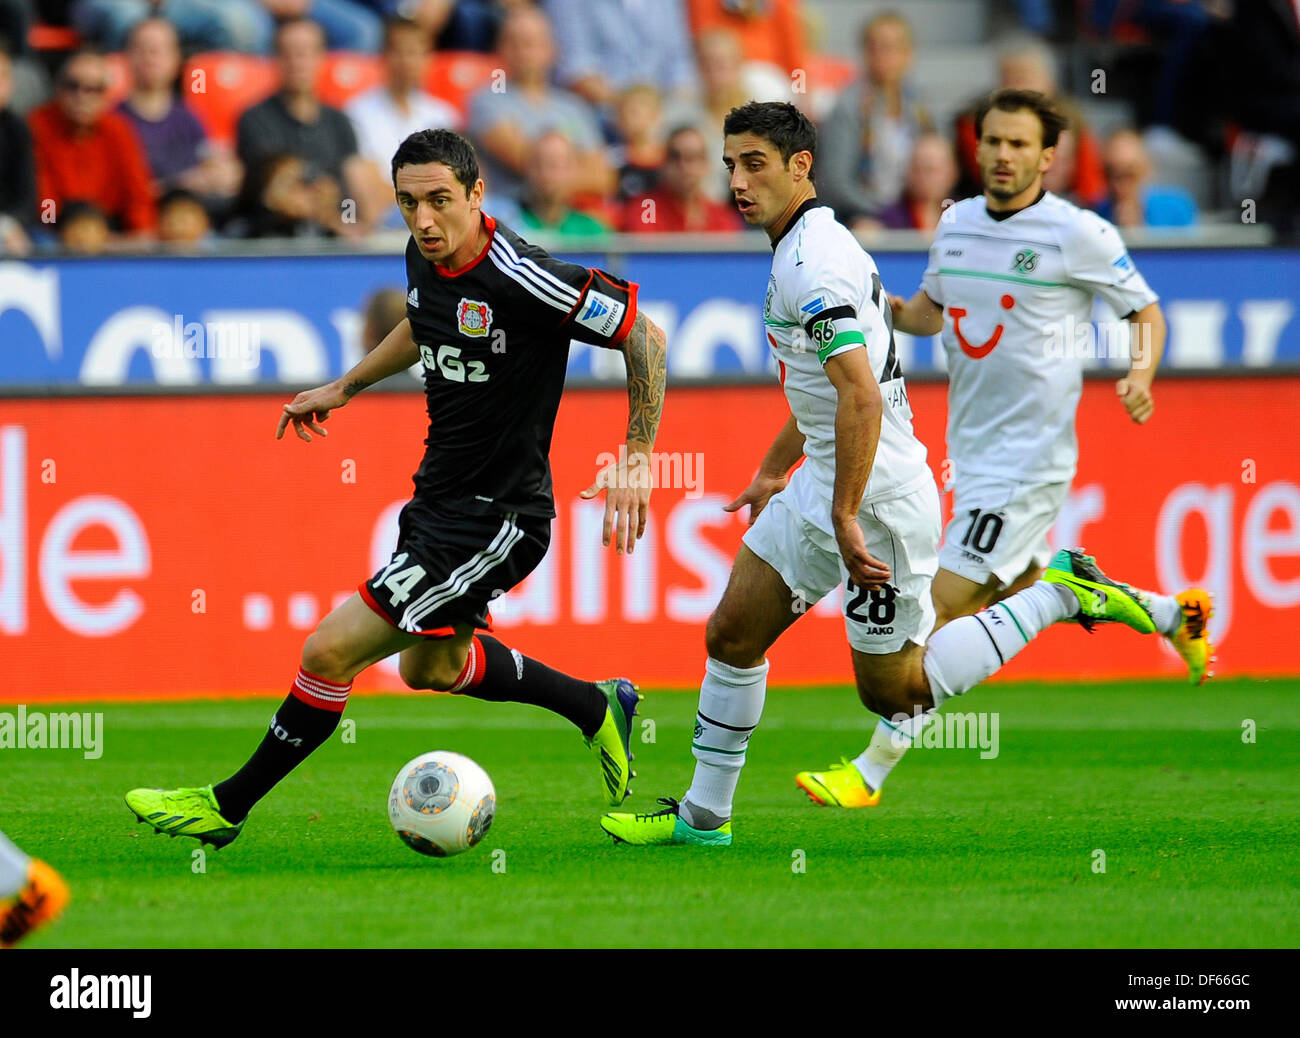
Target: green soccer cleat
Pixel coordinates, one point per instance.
(183, 812)
(662, 827)
(613, 740)
(1101, 600)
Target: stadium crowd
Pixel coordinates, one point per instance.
(177, 123)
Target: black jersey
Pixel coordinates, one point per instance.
(494, 341)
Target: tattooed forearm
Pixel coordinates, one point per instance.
(355, 386)
(646, 352)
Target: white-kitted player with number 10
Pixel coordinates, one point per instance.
(862, 512)
(1010, 284)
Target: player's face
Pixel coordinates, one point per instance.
(1011, 155)
(761, 184)
(439, 215)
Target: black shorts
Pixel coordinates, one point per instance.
(449, 566)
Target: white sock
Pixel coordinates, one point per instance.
(13, 868)
(1166, 612)
(888, 743)
(959, 656)
(731, 703)
(968, 650)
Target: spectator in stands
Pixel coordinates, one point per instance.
(770, 31)
(243, 25)
(382, 312)
(17, 170)
(1133, 201)
(928, 190)
(295, 121)
(679, 203)
(1025, 63)
(83, 229)
(506, 118)
(639, 154)
(455, 24)
(85, 152)
(548, 194)
(1259, 52)
(183, 222)
(606, 45)
(726, 85)
(384, 117)
(281, 200)
(177, 149)
(866, 142)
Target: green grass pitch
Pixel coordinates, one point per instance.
(1198, 828)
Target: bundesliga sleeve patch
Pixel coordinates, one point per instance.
(832, 329)
(600, 313)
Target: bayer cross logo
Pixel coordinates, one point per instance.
(1025, 262)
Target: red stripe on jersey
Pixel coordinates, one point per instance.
(490, 225)
(625, 328)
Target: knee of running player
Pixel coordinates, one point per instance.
(728, 639)
(328, 656)
(439, 669)
(907, 692)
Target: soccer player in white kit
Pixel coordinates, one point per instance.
(861, 512)
(31, 894)
(1011, 280)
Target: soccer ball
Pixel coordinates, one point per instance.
(441, 803)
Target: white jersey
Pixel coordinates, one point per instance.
(824, 297)
(1014, 292)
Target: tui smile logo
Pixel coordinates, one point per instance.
(985, 348)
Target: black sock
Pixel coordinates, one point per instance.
(504, 680)
(296, 730)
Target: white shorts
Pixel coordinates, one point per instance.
(794, 536)
(999, 527)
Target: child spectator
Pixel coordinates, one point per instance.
(639, 155)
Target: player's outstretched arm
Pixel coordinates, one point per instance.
(919, 315)
(308, 409)
(628, 481)
(857, 434)
(1147, 345)
(773, 471)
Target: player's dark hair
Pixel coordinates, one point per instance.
(1052, 120)
(780, 123)
(445, 146)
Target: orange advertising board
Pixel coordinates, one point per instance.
(163, 546)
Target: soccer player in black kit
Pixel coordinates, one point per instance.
(490, 318)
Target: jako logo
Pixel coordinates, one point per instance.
(94, 992)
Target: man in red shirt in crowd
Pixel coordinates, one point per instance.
(679, 202)
(84, 152)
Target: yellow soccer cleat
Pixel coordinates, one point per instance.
(1192, 639)
(842, 785)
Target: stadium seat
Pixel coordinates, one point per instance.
(455, 75)
(345, 74)
(53, 37)
(220, 85)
